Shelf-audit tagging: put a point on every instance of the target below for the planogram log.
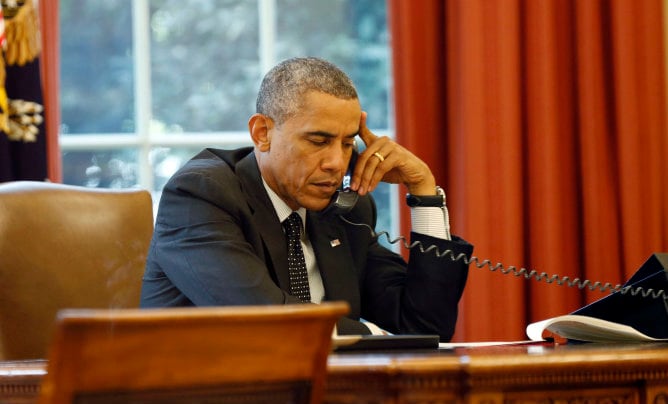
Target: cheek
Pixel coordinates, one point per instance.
(300, 172)
(292, 169)
(295, 166)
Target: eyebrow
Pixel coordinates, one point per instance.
(330, 135)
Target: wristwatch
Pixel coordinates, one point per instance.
(437, 200)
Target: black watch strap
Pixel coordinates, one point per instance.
(437, 200)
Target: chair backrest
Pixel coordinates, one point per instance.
(234, 354)
(66, 247)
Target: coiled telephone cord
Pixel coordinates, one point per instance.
(523, 272)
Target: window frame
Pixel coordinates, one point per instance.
(144, 139)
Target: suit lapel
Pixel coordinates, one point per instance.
(264, 216)
(329, 241)
(331, 247)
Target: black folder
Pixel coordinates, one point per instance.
(385, 342)
(649, 314)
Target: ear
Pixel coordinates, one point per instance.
(259, 126)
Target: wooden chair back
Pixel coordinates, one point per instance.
(62, 247)
(238, 354)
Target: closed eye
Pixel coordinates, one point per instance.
(319, 138)
(319, 141)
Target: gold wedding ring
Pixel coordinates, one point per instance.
(380, 156)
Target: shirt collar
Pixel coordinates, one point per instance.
(282, 209)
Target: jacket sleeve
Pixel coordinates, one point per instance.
(418, 297)
(200, 253)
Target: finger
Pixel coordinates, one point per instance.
(377, 164)
(367, 174)
(383, 166)
(365, 134)
(368, 161)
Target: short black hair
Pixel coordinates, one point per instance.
(284, 86)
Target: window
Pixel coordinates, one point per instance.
(146, 84)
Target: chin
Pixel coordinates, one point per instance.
(316, 205)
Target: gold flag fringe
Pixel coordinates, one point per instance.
(4, 102)
(4, 114)
(22, 33)
(22, 45)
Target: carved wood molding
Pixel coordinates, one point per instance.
(20, 379)
(571, 376)
(29, 389)
(608, 399)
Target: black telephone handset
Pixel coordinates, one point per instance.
(344, 199)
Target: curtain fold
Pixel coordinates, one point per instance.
(545, 122)
(50, 27)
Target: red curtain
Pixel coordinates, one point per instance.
(545, 122)
(48, 11)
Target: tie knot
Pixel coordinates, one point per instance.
(293, 225)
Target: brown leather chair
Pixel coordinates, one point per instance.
(64, 246)
(235, 354)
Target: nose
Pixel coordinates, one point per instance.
(335, 159)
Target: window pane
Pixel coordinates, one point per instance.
(350, 33)
(383, 195)
(204, 63)
(101, 168)
(96, 73)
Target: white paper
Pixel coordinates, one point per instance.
(584, 328)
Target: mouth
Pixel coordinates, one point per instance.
(327, 187)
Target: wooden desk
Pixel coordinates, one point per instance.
(524, 374)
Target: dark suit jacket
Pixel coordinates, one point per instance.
(218, 241)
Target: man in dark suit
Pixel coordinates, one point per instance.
(219, 239)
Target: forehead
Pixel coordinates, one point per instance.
(321, 108)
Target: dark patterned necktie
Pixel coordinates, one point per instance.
(296, 264)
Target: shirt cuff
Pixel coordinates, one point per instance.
(431, 221)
